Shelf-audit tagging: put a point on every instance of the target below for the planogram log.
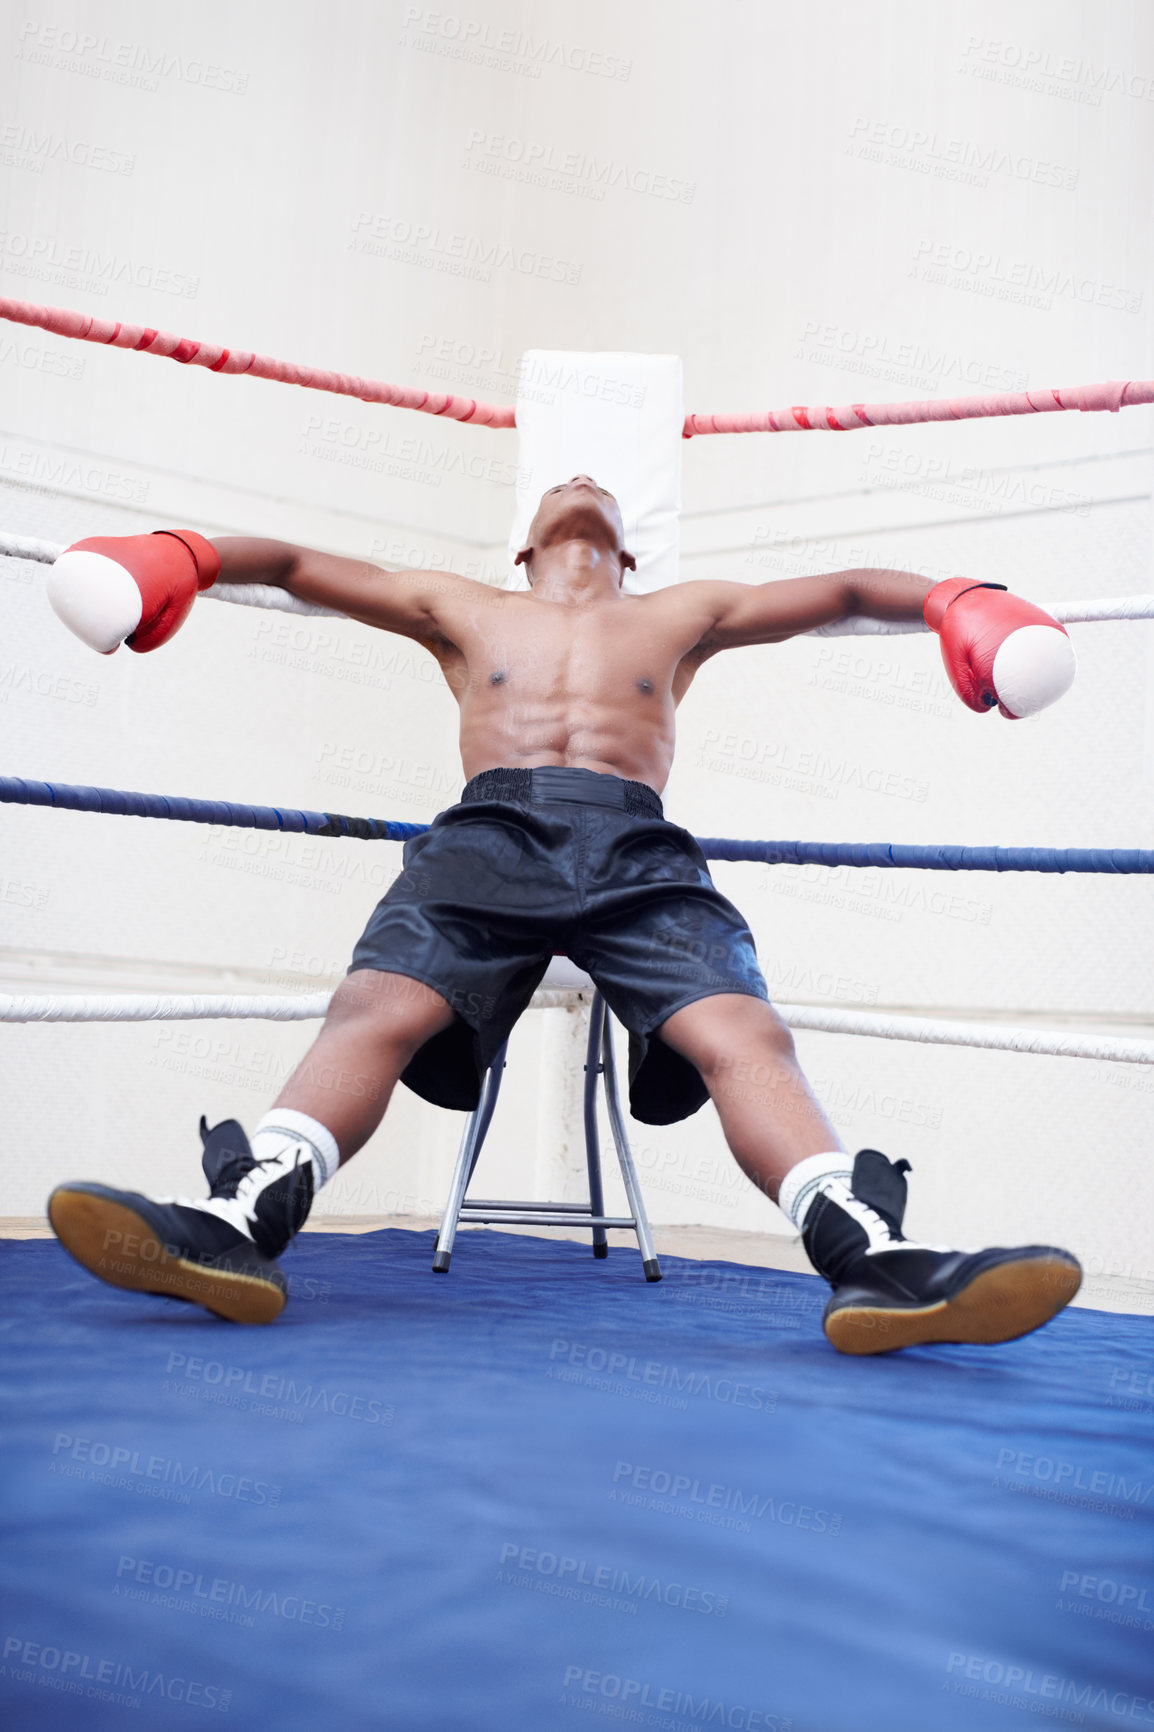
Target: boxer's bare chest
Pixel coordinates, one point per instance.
(627, 652)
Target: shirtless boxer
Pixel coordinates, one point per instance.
(567, 695)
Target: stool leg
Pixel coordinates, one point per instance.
(488, 1105)
(649, 1261)
(593, 1069)
(471, 1142)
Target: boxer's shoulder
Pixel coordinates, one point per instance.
(685, 613)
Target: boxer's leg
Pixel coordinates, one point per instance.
(746, 1057)
(220, 1251)
(375, 1024)
(888, 1291)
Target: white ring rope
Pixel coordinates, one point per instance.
(991, 1035)
(27, 547)
(1067, 612)
(198, 1007)
(268, 596)
(139, 1007)
(146, 1007)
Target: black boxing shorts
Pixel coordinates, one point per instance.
(532, 863)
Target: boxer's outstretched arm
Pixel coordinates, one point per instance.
(402, 601)
(740, 613)
(998, 649)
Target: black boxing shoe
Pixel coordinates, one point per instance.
(217, 1251)
(889, 1292)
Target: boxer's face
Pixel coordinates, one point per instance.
(577, 510)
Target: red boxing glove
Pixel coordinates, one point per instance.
(999, 649)
(134, 589)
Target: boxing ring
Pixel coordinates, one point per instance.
(1109, 397)
(680, 1467)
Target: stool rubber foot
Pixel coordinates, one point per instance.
(652, 1269)
(441, 1262)
(601, 1250)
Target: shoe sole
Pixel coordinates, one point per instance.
(997, 1305)
(116, 1244)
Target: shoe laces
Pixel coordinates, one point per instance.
(233, 1171)
(894, 1238)
(881, 1230)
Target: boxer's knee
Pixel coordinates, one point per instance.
(717, 1033)
(391, 1011)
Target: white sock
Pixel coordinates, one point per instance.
(283, 1130)
(803, 1182)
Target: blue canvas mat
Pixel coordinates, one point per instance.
(538, 1490)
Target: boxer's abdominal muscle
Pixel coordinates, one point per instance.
(594, 687)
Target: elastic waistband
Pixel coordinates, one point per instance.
(565, 785)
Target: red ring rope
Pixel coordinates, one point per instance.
(1111, 396)
(220, 360)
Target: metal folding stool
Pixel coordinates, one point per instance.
(599, 1062)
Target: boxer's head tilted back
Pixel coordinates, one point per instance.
(576, 520)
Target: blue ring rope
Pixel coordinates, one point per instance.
(122, 804)
(932, 857)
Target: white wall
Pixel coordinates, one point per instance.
(870, 202)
